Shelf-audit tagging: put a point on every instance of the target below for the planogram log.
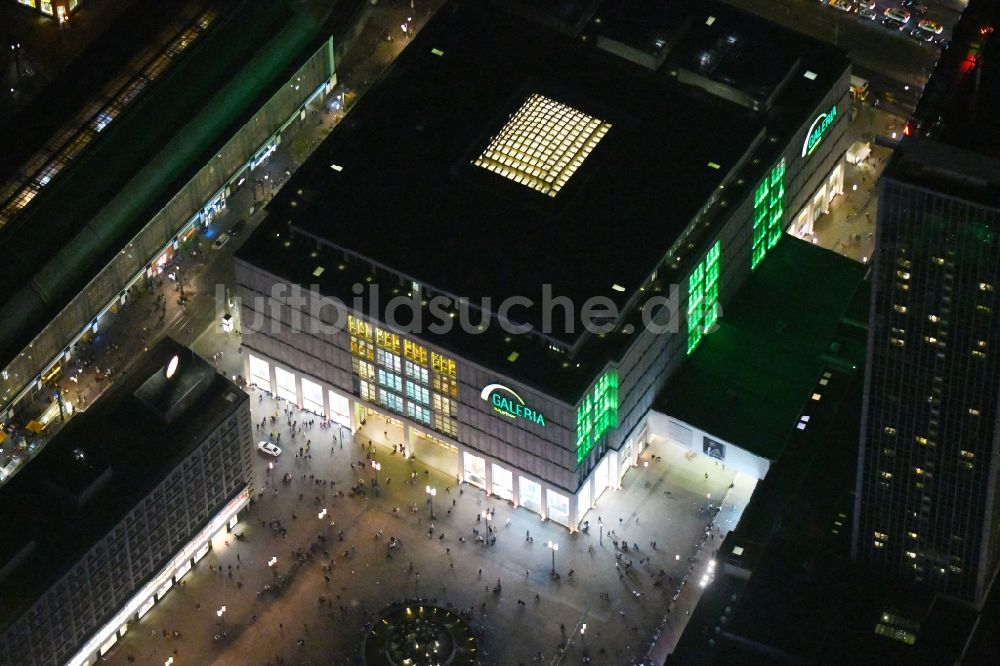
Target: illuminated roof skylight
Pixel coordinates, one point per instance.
(543, 144)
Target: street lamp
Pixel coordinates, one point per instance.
(431, 492)
(169, 661)
(221, 611)
(271, 562)
(321, 515)
(600, 526)
(376, 466)
(553, 546)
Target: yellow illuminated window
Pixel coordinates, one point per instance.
(969, 455)
(887, 475)
(445, 385)
(415, 352)
(387, 340)
(985, 286)
(921, 440)
(889, 430)
(362, 348)
(901, 309)
(359, 328)
(443, 364)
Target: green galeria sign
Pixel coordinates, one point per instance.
(818, 130)
(508, 403)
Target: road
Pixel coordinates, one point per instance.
(893, 56)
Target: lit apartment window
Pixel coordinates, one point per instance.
(985, 286)
(968, 455)
(954, 569)
(930, 339)
(889, 430)
(978, 354)
(933, 319)
(985, 309)
(896, 342)
(905, 263)
(981, 344)
(973, 411)
(912, 535)
(918, 471)
(879, 544)
(881, 536)
(903, 275)
(910, 554)
(921, 440)
(901, 309)
(968, 466)
(938, 261)
(887, 475)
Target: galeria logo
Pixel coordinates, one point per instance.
(511, 406)
(818, 129)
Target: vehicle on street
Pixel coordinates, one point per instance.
(930, 26)
(269, 448)
(915, 7)
(238, 227)
(868, 13)
(922, 35)
(866, 4)
(843, 5)
(897, 14)
(859, 88)
(220, 241)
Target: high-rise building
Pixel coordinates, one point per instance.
(927, 503)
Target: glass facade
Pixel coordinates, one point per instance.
(703, 296)
(597, 413)
(768, 209)
(403, 376)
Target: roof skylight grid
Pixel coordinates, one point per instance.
(543, 144)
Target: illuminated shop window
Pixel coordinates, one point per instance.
(597, 413)
(703, 297)
(543, 144)
(768, 211)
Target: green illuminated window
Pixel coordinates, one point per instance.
(597, 413)
(768, 209)
(703, 296)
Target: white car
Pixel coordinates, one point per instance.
(269, 448)
(220, 241)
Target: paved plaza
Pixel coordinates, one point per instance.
(303, 618)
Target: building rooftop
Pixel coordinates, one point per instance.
(76, 224)
(393, 196)
(102, 463)
(947, 169)
(424, 175)
(762, 365)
